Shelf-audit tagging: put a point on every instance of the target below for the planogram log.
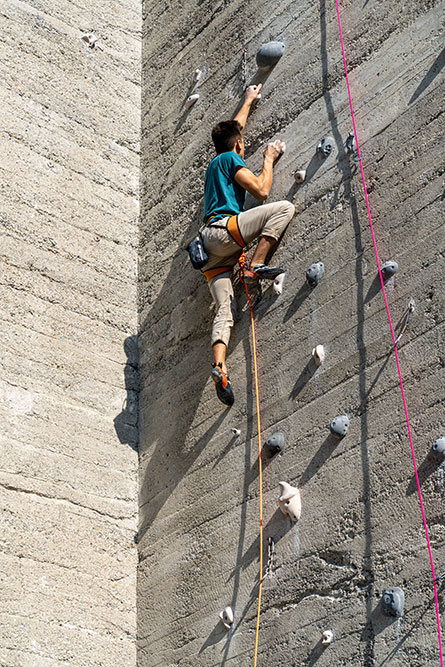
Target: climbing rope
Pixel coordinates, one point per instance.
(242, 265)
(435, 580)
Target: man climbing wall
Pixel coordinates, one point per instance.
(228, 228)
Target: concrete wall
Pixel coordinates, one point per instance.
(69, 184)
(361, 527)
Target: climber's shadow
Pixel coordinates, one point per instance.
(306, 374)
(297, 301)
(426, 468)
(126, 422)
(324, 452)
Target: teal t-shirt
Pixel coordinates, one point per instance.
(222, 194)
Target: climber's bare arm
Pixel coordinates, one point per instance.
(252, 93)
(259, 186)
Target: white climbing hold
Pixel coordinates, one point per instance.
(191, 101)
(197, 75)
(318, 355)
(327, 637)
(290, 501)
(227, 617)
(236, 432)
(300, 176)
(278, 283)
(90, 38)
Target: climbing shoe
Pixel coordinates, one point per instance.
(267, 272)
(222, 385)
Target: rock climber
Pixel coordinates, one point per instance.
(228, 228)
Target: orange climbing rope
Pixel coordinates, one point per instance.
(242, 264)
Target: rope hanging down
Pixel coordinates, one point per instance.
(435, 580)
(242, 264)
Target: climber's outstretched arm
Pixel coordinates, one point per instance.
(252, 93)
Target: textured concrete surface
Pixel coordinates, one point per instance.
(69, 142)
(361, 528)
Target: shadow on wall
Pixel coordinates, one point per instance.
(347, 170)
(126, 423)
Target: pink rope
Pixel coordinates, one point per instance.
(393, 339)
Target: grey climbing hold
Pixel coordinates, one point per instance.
(339, 426)
(438, 449)
(393, 601)
(275, 443)
(389, 269)
(315, 273)
(269, 54)
(325, 146)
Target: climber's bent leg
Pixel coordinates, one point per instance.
(269, 222)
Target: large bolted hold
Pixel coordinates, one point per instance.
(325, 147)
(275, 444)
(314, 274)
(269, 54)
(339, 426)
(438, 449)
(393, 601)
(389, 269)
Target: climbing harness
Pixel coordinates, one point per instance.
(242, 269)
(394, 340)
(232, 228)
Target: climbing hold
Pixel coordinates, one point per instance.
(278, 283)
(389, 269)
(191, 297)
(227, 617)
(197, 75)
(90, 38)
(290, 501)
(339, 426)
(438, 449)
(275, 443)
(393, 601)
(327, 637)
(300, 176)
(191, 101)
(318, 355)
(269, 54)
(315, 273)
(325, 147)
(236, 432)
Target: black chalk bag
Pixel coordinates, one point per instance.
(197, 252)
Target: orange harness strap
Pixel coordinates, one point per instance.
(234, 231)
(211, 273)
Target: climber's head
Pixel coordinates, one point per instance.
(227, 137)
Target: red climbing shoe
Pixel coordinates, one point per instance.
(222, 385)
